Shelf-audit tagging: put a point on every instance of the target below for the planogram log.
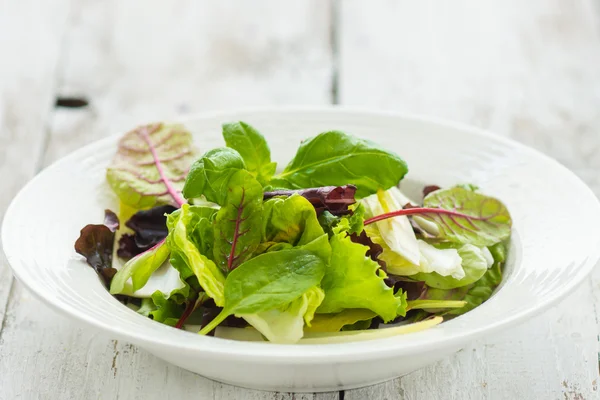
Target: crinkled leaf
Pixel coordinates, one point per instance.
(253, 148)
(237, 224)
(352, 280)
(166, 310)
(333, 199)
(149, 228)
(337, 159)
(151, 165)
(286, 324)
(209, 175)
(484, 221)
(139, 269)
(96, 244)
(186, 236)
(269, 281)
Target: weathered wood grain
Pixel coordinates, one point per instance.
(140, 61)
(30, 55)
(522, 69)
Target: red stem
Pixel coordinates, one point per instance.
(420, 210)
(236, 232)
(145, 134)
(188, 311)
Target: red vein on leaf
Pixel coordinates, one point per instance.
(144, 132)
(423, 210)
(164, 160)
(236, 232)
(191, 306)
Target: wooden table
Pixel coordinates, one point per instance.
(525, 69)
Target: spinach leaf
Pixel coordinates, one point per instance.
(150, 165)
(253, 148)
(352, 280)
(269, 281)
(336, 159)
(237, 233)
(190, 235)
(210, 174)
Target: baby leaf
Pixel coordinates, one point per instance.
(237, 223)
(187, 230)
(210, 175)
(139, 269)
(269, 281)
(485, 220)
(253, 148)
(337, 159)
(333, 199)
(151, 165)
(96, 243)
(149, 228)
(353, 280)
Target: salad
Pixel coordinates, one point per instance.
(327, 250)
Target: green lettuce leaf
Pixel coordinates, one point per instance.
(209, 176)
(139, 269)
(269, 281)
(482, 290)
(184, 241)
(352, 280)
(336, 159)
(397, 232)
(286, 324)
(335, 322)
(150, 165)
(253, 148)
(291, 219)
(475, 263)
(161, 308)
(237, 224)
(488, 220)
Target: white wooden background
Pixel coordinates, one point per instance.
(525, 69)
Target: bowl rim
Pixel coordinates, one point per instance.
(310, 353)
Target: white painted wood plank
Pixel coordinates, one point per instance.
(148, 60)
(522, 69)
(30, 54)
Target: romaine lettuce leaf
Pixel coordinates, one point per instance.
(139, 269)
(397, 232)
(186, 237)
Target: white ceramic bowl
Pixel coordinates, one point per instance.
(556, 242)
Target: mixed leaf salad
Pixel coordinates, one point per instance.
(327, 250)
